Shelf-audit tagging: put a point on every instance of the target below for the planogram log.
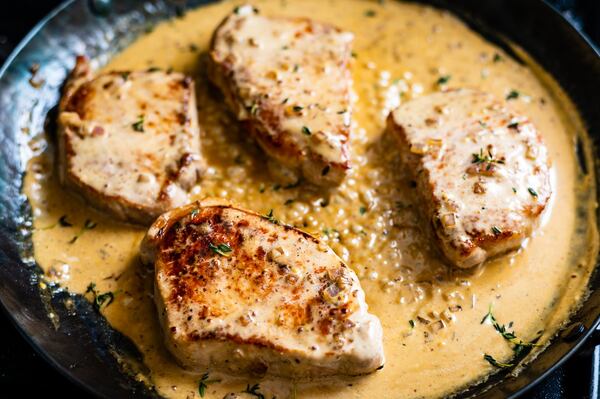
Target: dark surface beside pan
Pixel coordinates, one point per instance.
(17, 363)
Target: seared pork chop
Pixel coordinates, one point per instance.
(241, 292)
(129, 142)
(288, 80)
(482, 171)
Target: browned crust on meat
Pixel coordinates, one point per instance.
(208, 301)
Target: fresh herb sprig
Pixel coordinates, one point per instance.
(138, 125)
(203, 384)
(520, 347)
(442, 80)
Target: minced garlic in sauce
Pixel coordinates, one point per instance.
(431, 314)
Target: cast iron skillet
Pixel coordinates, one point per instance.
(82, 345)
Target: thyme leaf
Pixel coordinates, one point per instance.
(221, 249)
(269, 216)
(100, 300)
(443, 79)
(496, 363)
(513, 94)
(64, 222)
(254, 390)
(138, 125)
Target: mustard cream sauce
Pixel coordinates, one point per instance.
(431, 314)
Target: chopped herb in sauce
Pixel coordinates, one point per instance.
(496, 231)
(443, 79)
(370, 13)
(362, 210)
(64, 222)
(254, 390)
(532, 192)
(498, 57)
(325, 170)
(254, 109)
(496, 363)
(179, 11)
(269, 216)
(514, 190)
(194, 213)
(100, 300)
(125, 75)
(292, 185)
(342, 112)
(221, 249)
(285, 100)
(297, 108)
(412, 323)
(354, 54)
(514, 125)
(203, 384)
(88, 225)
(138, 125)
(306, 130)
(288, 202)
(513, 94)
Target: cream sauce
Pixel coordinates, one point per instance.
(401, 52)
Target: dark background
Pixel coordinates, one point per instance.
(23, 370)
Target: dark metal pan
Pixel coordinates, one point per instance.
(82, 346)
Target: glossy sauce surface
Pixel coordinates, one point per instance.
(431, 314)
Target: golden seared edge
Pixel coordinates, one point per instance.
(482, 171)
(129, 142)
(288, 80)
(243, 293)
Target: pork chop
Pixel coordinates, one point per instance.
(129, 142)
(243, 293)
(482, 171)
(288, 80)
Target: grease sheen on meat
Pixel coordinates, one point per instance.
(288, 80)
(241, 292)
(482, 171)
(129, 142)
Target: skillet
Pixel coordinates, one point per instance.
(79, 342)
